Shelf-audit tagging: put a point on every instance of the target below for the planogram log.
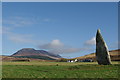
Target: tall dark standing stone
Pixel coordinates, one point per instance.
(102, 53)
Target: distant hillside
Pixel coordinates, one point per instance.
(32, 55)
(36, 54)
(9, 58)
(114, 54)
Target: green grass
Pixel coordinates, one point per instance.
(58, 70)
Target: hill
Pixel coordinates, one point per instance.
(31, 54)
(114, 54)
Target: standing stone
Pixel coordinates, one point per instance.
(102, 53)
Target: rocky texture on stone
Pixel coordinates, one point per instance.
(102, 53)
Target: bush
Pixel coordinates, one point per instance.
(63, 60)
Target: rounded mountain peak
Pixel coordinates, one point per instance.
(27, 49)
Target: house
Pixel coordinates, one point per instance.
(73, 60)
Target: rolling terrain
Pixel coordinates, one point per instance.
(114, 54)
(22, 56)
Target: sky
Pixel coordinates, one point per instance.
(64, 28)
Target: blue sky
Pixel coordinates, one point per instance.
(66, 28)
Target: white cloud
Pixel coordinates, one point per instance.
(55, 44)
(12, 23)
(0, 26)
(6, 30)
(18, 38)
(67, 50)
(57, 47)
(17, 21)
(0, 30)
(23, 39)
(90, 42)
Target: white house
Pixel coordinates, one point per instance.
(72, 60)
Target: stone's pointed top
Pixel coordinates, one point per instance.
(98, 35)
(98, 30)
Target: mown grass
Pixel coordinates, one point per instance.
(58, 70)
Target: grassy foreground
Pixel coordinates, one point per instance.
(58, 70)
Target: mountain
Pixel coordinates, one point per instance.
(114, 54)
(38, 54)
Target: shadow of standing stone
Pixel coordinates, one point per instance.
(102, 53)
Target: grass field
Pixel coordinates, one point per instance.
(59, 70)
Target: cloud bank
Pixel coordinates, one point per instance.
(57, 47)
(17, 38)
(11, 23)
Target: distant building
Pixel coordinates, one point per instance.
(87, 60)
(76, 60)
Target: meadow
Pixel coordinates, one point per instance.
(59, 70)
